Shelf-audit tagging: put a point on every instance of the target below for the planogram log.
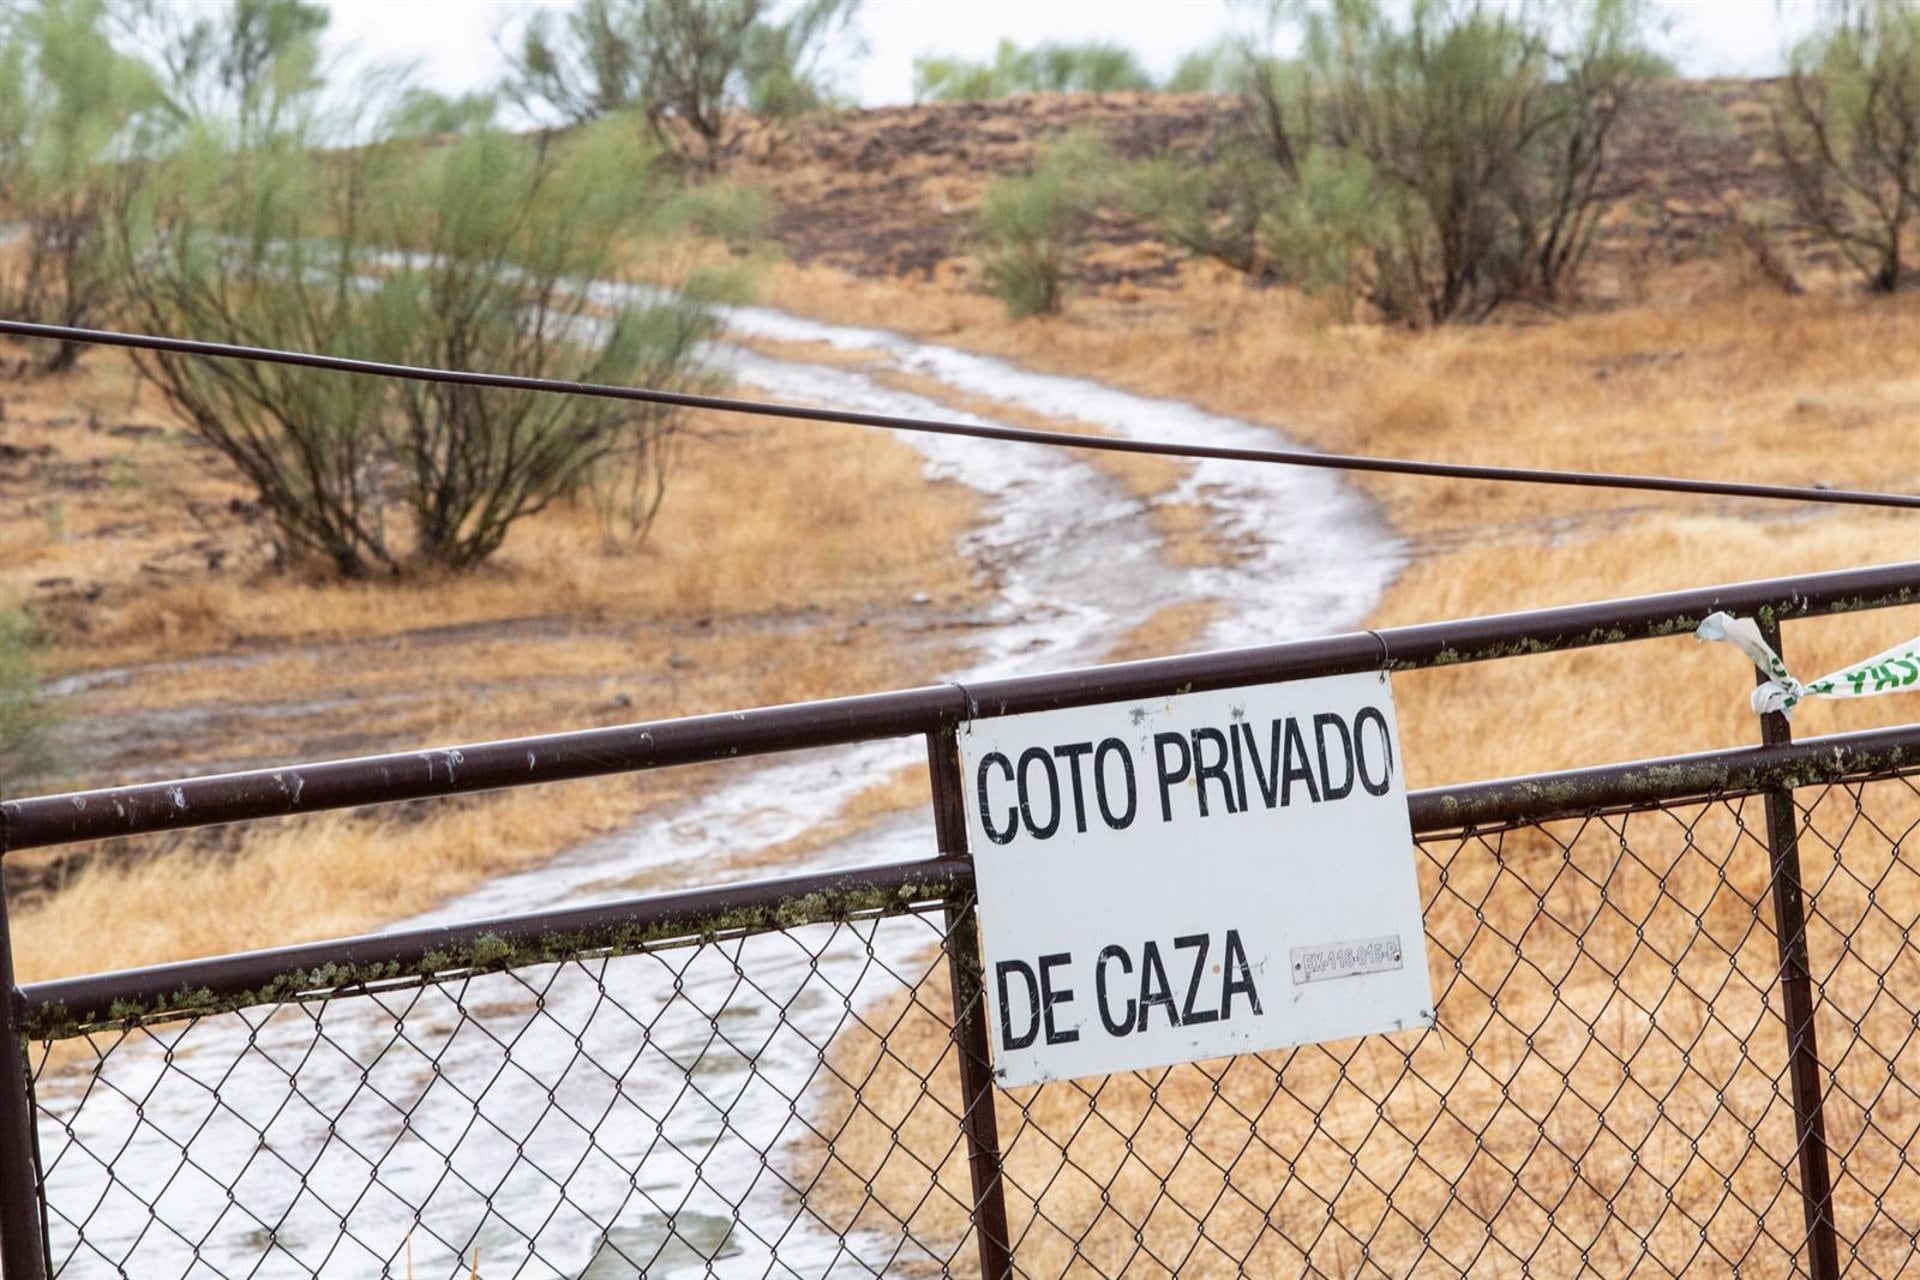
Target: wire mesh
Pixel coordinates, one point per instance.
(1857, 847)
(656, 1113)
(1606, 1092)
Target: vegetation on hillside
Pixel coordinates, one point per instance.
(1435, 167)
(1031, 225)
(688, 69)
(1063, 66)
(1847, 131)
(1049, 67)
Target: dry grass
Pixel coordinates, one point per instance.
(328, 875)
(1753, 386)
(1627, 702)
(1605, 1089)
(1170, 629)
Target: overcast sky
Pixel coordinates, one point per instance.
(453, 41)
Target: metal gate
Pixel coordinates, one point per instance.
(1678, 1004)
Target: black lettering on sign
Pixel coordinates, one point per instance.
(1122, 1025)
(1001, 971)
(999, 835)
(1321, 723)
(1071, 752)
(1267, 776)
(1239, 765)
(1153, 987)
(1372, 715)
(1110, 747)
(1028, 758)
(1297, 768)
(1188, 1014)
(1123, 1015)
(1238, 977)
(1214, 770)
(1178, 741)
(1050, 997)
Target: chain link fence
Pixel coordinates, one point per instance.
(1606, 1090)
(1677, 1007)
(662, 1112)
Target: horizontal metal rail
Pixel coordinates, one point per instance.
(74, 1006)
(1667, 781)
(41, 821)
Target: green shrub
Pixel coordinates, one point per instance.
(1031, 226)
(1847, 132)
(26, 748)
(682, 67)
(1220, 68)
(1434, 167)
(1048, 67)
(68, 105)
(481, 253)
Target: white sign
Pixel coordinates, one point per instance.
(1197, 876)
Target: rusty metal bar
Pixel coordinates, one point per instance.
(162, 806)
(1673, 779)
(460, 770)
(977, 1118)
(22, 1226)
(73, 1006)
(1796, 993)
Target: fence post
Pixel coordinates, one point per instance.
(22, 1230)
(1796, 989)
(977, 1118)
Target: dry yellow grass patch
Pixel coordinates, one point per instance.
(1170, 629)
(1626, 702)
(97, 482)
(299, 879)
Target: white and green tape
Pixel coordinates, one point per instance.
(1894, 671)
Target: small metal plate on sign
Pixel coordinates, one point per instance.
(1345, 959)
